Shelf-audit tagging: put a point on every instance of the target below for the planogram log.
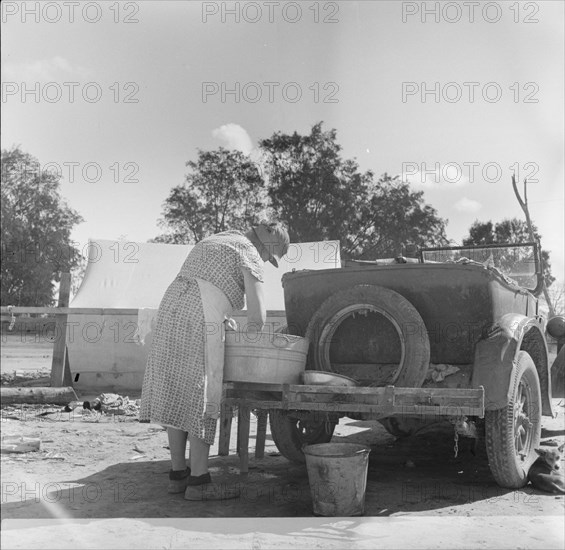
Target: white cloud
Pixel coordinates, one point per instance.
(467, 205)
(235, 137)
(43, 70)
(451, 174)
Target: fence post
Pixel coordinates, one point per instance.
(60, 368)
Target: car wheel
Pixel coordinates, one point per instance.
(512, 433)
(290, 433)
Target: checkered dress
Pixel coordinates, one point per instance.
(173, 392)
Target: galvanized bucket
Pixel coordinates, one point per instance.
(337, 473)
(265, 357)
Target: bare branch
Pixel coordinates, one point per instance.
(524, 206)
(516, 192)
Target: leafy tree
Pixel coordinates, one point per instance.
(36, 226)
(394, 216)
(223, 191)
(320, 195)
(311, 188)
(508, 231)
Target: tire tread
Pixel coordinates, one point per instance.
(499, 433)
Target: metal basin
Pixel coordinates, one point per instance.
(323, 378)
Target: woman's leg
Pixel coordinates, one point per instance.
(177, 447)
(200, 486)
(199, 451)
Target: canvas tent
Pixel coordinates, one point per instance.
(126, 280)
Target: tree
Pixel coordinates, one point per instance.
(394, 216)
(224, 191)
(508, 231)
(557, 298)
(320, 195)
(36, 227)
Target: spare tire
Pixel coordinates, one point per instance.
(404, 320)
(391, 308)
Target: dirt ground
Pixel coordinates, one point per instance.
(103, 466)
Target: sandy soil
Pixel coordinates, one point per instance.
(98, 466)
(101, 466)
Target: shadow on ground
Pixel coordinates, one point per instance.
(416, 474)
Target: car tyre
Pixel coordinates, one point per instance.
(513, 432)
(410, 329)
(291, 434)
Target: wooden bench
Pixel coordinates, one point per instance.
(243, 429)
(334, 400)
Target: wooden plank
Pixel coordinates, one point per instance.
(254, 403)
(353, 390)
(225, 429)
(389, 396)
(60, 345)
(387, 410)
(262, 417)
(248, 386)
(34, 395)
(475, 409)
(243, 425)
(383, 409)
(285, 392)
(449, 397)
(250, 394)
(399, 393)
(432, 391)
(254, 395)
(379, 401)
(335, 390)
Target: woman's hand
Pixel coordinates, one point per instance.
(230, 324)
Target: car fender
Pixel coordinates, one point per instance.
(495, 358)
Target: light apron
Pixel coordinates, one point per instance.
(217, 308)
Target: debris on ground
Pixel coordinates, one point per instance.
(23, 378)
(104, 406)
(19, 444)
(112, 403)
(52, 455)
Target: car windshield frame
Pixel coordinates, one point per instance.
(487, 260)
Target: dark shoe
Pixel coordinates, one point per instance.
(178, 480)
(202, 488)
(199, 480)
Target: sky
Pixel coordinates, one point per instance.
(453, 97)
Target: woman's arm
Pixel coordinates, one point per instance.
(256, 314)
